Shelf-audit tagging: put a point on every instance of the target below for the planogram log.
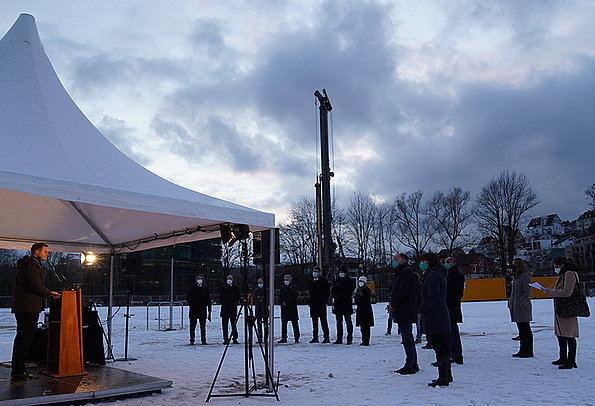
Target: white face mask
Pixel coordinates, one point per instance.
(199, 282)
(361, 284)
(229, 282)
(557, 270)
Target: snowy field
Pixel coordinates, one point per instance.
(326, 374)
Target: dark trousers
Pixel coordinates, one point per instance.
(454, 342)
(365, 334)
(26, 325)
(439, 344)
(406, 331)
(526, 336)
(203, 329)
(389, 327)
(294, 325)
(323, 324)
(226, 320)
(349, 325)
(260, 321)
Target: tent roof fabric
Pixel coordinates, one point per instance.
(52, 190)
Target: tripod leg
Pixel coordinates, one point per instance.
(221, 362)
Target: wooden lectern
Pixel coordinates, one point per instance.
(65, 336)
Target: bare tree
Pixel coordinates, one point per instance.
(298, 238)
(501, 207)
(360, 221)
(230, 257)
(590, 193)
(452, 214)
(414, 228)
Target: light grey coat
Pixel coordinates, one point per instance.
(519, 301)
(565, 326)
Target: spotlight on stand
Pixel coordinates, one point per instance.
(230, 233)
(88, 258)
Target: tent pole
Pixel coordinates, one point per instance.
(110, 300)
(171, 295)
(271, 318)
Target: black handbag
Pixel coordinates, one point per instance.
(574, 305)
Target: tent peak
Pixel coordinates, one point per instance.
(23, 30)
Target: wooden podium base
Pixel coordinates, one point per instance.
(65, 336)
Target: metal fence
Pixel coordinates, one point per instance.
(161, 304)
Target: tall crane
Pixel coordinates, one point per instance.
(323, 188)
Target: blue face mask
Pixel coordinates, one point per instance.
(286, 283)
(394, 264)
(260, 285)
(423, 266)
(446, 265)
(315, 274)
(341, 275)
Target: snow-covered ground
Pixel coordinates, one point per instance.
(317, 374)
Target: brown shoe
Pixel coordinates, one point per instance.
(428, 346)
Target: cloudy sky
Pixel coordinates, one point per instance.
(218, 96)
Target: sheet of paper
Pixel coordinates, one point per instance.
(537, 285)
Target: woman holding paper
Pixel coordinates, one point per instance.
(519, 304)
(565, 328)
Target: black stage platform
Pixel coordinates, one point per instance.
(101, 382)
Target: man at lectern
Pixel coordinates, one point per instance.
(27, 303)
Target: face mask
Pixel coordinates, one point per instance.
(446, 265)
(361, 284)
(341, 275)
(557, 270)
(229, 282)
(423, 266)
(199, 282)
(286, 283)
(260, 285)
(394, 264)
(315, 274)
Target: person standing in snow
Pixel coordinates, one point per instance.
(565, 328)
(455, 288)
(519, 304)
(364, 317)
(199, 300)
(289, 311)
(435, 317)
(229, 297)
(319, 294)
(27, 303)
(259, 299)
(342, 292)
(403, 303)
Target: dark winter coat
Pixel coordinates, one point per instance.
(319, 294)
(403, 295)
(434, 312)
(363, 311)
(29, 287)
(519, 301)
(455, 289)
(229, 296)
(259, 298)
(288, 302)
(342, 291)
(565, 326)
(199, 300)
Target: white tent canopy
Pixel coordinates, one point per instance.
(63, 182)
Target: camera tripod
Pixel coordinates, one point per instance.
(249, 329)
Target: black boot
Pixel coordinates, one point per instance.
(443, 373)
(571, 363)
(563, 352)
